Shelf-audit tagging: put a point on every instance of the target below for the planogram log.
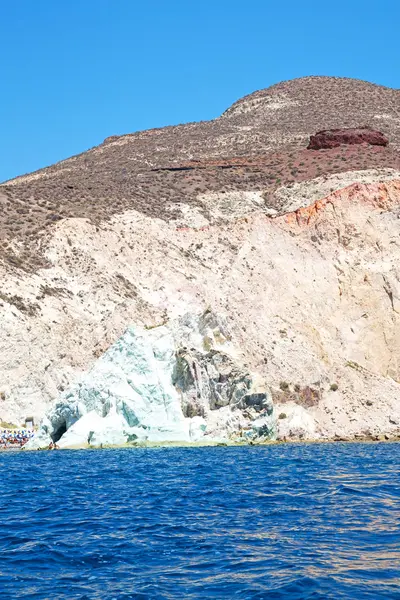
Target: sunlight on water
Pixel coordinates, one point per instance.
(295, 521)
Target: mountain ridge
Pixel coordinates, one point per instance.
(282, 85)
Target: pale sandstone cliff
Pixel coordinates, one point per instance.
(311, 297)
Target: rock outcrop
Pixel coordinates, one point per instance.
(333, 138)
(146, 389)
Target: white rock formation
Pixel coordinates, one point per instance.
(294, 421)
(139, 390)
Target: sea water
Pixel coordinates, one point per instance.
(286, 521)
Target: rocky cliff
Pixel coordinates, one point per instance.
(292, 251)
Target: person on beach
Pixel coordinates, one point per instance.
(10, 438)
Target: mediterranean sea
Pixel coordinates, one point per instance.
(315, 521)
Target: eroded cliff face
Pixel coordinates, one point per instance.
(310, 297)
(148, 388)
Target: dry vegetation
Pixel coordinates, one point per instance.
(306, 396)
(252, 146)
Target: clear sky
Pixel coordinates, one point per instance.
(76, 71)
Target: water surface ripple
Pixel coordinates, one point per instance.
(297, 521)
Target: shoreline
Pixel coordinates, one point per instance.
(379, 439)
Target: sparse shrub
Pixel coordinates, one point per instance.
(282, 416)
(334, 387)
(7, 425)
(284, 385)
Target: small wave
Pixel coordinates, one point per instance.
(299, 522)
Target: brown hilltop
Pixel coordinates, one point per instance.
(259, 142)
(309, 102)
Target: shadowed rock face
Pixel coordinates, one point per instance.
(333, 138)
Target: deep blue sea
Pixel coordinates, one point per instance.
(288, 521)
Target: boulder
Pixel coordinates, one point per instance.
(295, 422)
(332, 138)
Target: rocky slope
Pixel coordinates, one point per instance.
(294, 250)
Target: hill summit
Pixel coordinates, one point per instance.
(259, 142)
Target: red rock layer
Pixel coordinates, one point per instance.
(381, 196)
(332, 138)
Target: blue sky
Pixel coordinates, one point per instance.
(76, 71)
